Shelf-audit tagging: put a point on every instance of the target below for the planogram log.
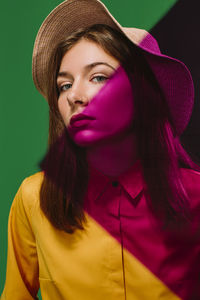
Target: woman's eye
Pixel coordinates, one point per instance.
(65, 87)
(99, 78)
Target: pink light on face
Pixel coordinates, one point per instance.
(112, 110)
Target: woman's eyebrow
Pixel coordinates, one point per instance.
(87, 68)
(94, 64)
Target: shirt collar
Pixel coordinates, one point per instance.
(131, 180)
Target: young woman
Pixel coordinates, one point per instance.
(114, 212)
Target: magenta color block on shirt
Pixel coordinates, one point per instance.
(119, 205)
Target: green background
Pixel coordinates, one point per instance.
(24, 113)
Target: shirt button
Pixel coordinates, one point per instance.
(115, 183)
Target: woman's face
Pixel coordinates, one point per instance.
(91, 82)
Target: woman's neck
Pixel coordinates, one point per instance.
(115, 156)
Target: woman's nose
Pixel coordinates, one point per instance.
(77, 95)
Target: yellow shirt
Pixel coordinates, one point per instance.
(93, 263)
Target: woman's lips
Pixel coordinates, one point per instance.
(80, 120)
(80, 123)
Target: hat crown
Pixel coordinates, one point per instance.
(143, 38)
(150, 44)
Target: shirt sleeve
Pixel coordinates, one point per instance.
(22, 279)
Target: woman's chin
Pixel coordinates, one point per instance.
(86, 138)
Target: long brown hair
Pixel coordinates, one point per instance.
(159, 149)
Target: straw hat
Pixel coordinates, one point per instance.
(172, 75)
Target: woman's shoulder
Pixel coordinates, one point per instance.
(191, 183)
(33, 182)
(191, 177)
(28, 194)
